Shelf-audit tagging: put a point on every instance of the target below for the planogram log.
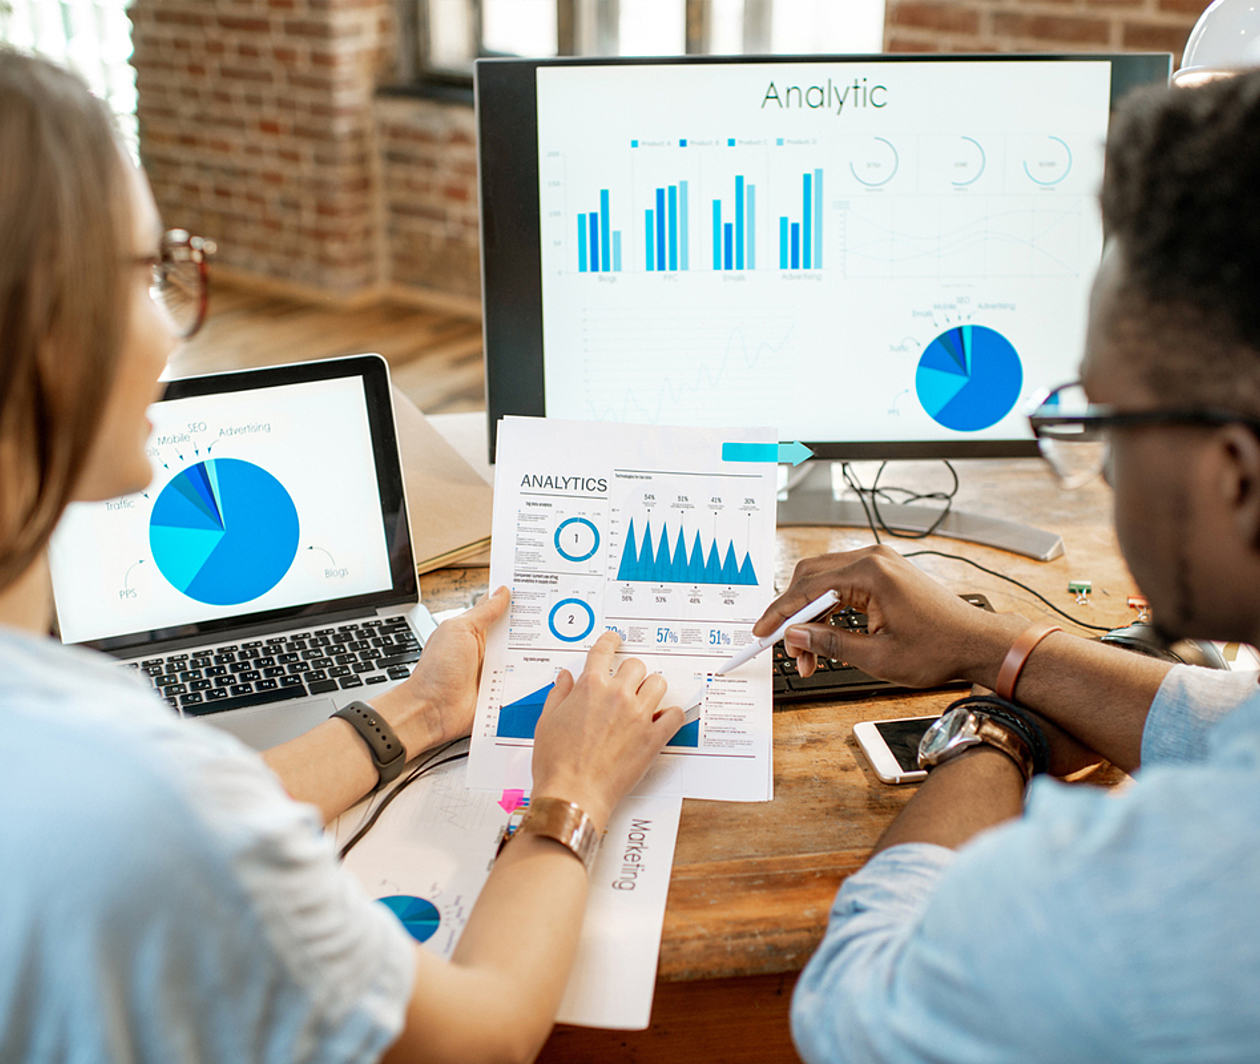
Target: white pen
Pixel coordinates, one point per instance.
(822, 605)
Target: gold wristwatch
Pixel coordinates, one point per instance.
(566, 823)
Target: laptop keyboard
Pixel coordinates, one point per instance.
(278, 668)
(837, 680)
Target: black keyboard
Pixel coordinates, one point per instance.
(835, 680)
(277, 668)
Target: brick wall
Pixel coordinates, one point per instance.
(1040, 25)
(257, 128)
(429, 187)
(260, 127)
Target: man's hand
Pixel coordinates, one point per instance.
(921, 633)
(436, 702)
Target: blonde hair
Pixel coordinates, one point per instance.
(65, 231)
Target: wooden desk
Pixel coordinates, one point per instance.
(753, 883)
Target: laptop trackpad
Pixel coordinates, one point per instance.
(264, 726)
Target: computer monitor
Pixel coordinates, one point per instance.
(882, 256)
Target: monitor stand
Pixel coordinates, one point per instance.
(812, 502)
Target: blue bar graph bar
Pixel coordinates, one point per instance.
(660, 229)
(728, 239)
(751, 231)
(617, 250)
(673, 227)
(801, 243)
(807, 221)
(818, 219)
(739, 221)
(605, 230)
(582, 268)
(649, 239)
(717, 234)
(682, 226)
(593, 227)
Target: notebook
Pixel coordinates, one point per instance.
(265, 577)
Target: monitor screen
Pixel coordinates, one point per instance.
(883, 256)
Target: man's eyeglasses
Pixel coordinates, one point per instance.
(180, 282)
(1073, 434)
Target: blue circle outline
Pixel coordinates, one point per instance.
(551, 620)
(576, 521)
(896, 165)
(1054, 180)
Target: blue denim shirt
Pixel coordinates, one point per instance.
(1100, 926)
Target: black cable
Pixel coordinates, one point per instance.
(426, 766)
(947, 497)
(875, 520)
(850, 478)
(911, 496)
(1012, 580)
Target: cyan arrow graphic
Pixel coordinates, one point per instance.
(795, 452)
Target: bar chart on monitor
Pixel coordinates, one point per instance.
(668, 208)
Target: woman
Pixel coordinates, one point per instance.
(163, 897)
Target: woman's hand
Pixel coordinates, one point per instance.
(437, 701)
(920, 633)
(598, 734)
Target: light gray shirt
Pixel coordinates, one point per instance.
(161, 898)
(1098, 927)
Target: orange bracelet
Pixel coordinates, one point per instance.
(1017, 657)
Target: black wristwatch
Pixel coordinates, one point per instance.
(382, 741)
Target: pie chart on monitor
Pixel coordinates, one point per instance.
(223, 531)
(969, 378)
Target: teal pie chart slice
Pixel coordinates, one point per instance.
(419, 916)
(223, 531)
(969, 378)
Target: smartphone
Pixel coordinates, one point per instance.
(892, 747)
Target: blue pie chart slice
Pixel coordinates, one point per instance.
(969, 378)
(418, 916)
(223, 531)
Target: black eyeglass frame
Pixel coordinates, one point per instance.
(1091, 425)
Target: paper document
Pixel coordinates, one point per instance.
(431, 852)
(665, 535)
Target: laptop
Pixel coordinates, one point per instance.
(265, 577)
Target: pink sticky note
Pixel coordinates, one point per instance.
(511, 799)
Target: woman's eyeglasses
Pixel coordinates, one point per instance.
(180, 281)
(1074, 434)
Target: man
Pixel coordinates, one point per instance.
(1089, 926)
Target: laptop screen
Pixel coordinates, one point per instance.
(276, 494)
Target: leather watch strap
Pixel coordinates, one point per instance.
(999, 735)
(388, 754)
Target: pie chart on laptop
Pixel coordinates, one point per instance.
(223, 531)
(969, 378)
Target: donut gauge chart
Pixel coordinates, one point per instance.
(571, 620)
(969, 378)
(223, 531)
(576, 539)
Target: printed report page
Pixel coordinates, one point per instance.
(664, 535)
